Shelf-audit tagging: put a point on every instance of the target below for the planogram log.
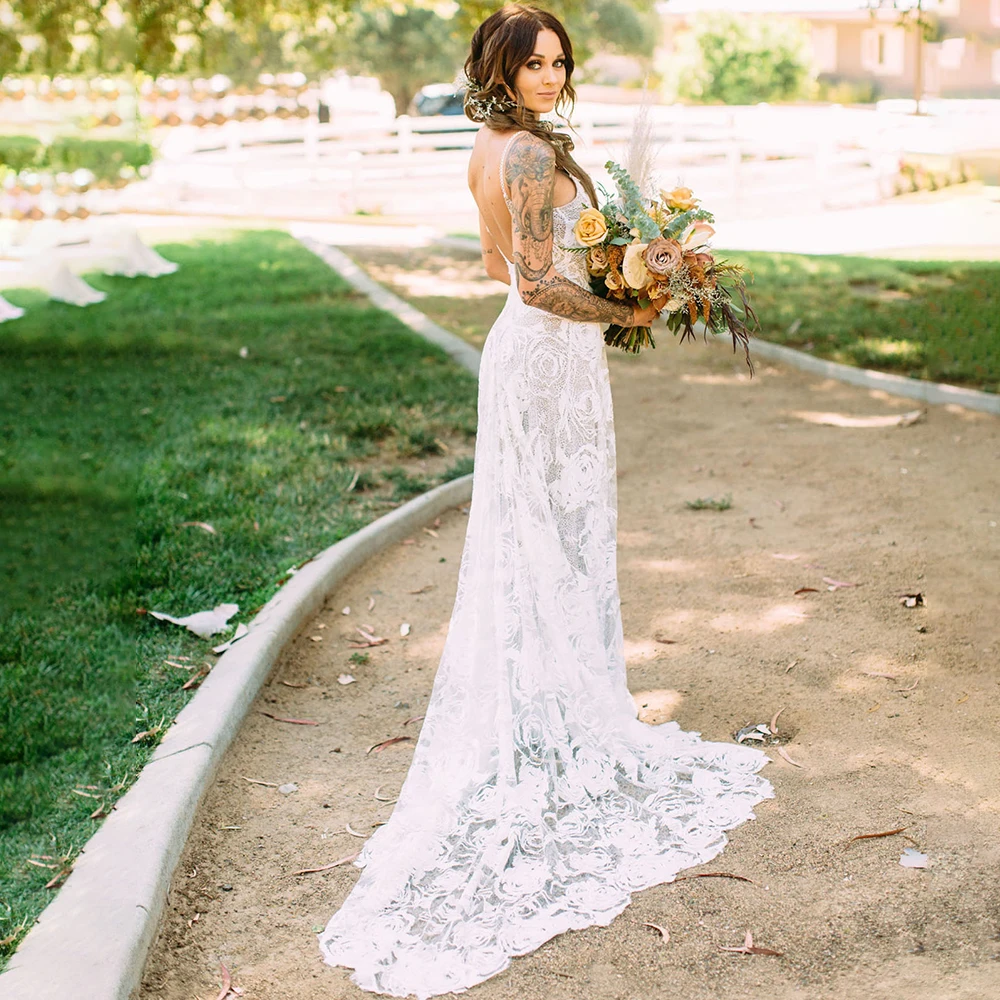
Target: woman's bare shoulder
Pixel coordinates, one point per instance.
(529, 158)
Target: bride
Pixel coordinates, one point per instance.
(536, 801)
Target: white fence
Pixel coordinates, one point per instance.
(744, 160)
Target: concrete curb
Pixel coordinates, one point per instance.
(91, 941)
(897, 385)
(458, 349)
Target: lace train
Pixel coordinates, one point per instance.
(536, 801)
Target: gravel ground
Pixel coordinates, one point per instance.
(890, 713)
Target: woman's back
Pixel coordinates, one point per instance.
(487, 184)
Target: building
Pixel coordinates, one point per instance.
(854, 45)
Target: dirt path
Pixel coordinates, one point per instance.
(891, 509)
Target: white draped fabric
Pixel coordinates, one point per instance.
(536, 801)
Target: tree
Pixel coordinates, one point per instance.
(405, 48)
(925, 28)
(736, 59)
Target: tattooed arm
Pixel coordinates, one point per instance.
(530, 176)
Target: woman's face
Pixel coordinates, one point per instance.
(540, 80)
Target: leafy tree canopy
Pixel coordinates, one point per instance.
(731, 59)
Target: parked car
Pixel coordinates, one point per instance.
(438, 99)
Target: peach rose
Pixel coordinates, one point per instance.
(597, 261)
(680, 198)
(591, 227)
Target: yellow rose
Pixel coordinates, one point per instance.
(591, 227)
(681, 199)
(633, 269)
(614, 281)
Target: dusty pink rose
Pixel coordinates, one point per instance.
(662, 256)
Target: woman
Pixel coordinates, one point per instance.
(536, 801)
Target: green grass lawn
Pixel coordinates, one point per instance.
(124, 424)
(936, 320)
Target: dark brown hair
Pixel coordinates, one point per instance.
(500, 46)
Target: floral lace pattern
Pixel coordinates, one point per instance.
(536, 801)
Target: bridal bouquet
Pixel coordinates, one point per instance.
(655, 250)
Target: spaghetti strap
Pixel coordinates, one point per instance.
(503, 168)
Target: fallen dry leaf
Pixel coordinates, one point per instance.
(774, 722)
(382, 798)
(57, 880)
(345, 679)
(875, 673)
(204, 525)
(369, 640)
(326, 868)
(371, 603)
(413, 718)
(345, 610)
(146, 733)
(783, 753)
(404, 629)
(739, 878)
(790, 665)
(227, 982)
(423, 589)
(294, 722)
(430, 531)
(911, 687)
(289, 684)
(807, 590)
(315, 638)
(379, 747)
(195, 681)
(873, 836)
(749, 948)
(257, 781)
(837, 584)
(664, 933)
(353, 832)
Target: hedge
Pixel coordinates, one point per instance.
(103, 157)
(20, 152)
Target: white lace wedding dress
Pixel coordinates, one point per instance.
(536, 801)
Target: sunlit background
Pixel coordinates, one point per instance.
(193, 404)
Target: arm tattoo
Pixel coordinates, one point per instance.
(530, 177)
(563, 297)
